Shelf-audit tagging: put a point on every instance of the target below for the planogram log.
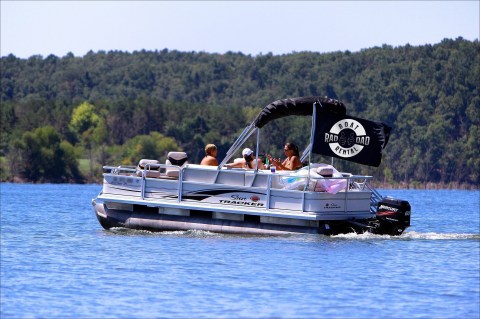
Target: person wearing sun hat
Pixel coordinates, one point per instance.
(248, 161)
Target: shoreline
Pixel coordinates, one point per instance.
(426, 186)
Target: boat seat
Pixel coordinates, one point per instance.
(325, 171)
(152, 172)
(179, 159)
(329, 185)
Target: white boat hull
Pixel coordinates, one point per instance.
(227, 201)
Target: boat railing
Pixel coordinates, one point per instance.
(284, 180)
(119, 170)
(374, 198)
(130, 169)
(356, 182)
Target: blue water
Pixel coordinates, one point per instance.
(57, 262)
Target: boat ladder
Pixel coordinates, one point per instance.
(374, 199)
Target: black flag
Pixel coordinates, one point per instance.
(349, 138)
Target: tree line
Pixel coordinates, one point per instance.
(62, 118)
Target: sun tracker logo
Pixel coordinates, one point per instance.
(347, 138)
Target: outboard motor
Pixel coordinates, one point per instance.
(393, 216)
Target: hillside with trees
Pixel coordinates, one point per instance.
(62, 118)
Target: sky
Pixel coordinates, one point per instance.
(251, 27)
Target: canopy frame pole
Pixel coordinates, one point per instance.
(234, 146)
(247, 132)
(258, 148)
(255, 172)
(310, 146)
(306, 153)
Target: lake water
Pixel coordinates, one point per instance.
(57, 262)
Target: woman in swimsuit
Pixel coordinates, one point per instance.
(292, 162)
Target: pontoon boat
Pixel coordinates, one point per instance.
(177, 195)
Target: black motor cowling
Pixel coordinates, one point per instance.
(393, 216)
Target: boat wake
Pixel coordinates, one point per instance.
(412, 235)
(409, 235)
(178, 233)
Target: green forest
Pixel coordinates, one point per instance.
(63, 118)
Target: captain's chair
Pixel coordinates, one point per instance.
(178, 159)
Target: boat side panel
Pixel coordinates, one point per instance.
(161, 188)
(225, 195)
(340, 202)
(319, 202)
(243, 197)
(124, 185)
(199, 173)
(121, 184)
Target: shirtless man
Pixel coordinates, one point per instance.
(210, 158)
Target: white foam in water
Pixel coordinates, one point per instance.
(409, 235)
(199, 233)
(187, 233)
(439, 236)
(363, 236)
(127, 231)
(191, 233)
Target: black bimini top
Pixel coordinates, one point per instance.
(298, 106)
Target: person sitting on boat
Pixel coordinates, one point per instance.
(210, 158)
(291, 163)
(248, 161)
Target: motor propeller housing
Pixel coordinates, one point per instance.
(393, 216)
